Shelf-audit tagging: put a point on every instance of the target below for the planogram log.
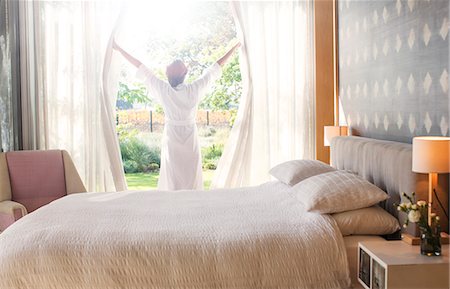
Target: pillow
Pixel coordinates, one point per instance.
(337, 191)
(368, 221)
(295, 171)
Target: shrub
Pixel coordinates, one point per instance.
(130, 166)
(125, 132)
(206, 131)
(211, 156)
(137, 156)
(210, 166)
(212, 152)
(153, 167)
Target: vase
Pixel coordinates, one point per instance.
(430, 241)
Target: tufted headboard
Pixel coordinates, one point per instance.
(388, 165)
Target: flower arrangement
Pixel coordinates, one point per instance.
(418, 213)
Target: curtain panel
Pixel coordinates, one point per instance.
(9, 88)
(275, 121)
(66, 99)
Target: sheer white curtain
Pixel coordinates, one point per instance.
(65, 105)
(275, 122)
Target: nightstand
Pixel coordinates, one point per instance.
(397, 265)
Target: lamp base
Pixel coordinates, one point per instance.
(410, 239)
(415, 241)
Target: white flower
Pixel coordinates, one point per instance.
(399, 208)
(414, 216)
(405, 226)
(437, 218)
(414, 207)
(433, 215)
(408, 205)
(421, 203)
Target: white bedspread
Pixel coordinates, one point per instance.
(257, 237)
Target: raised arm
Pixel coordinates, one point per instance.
(155, 86)
(127, 56)
(213, 73)
(223, 60)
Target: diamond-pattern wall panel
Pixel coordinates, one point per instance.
(393, 67)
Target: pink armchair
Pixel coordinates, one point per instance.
(32, 179)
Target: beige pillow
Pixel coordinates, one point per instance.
(368, 221)
(292, 172)
(337, 191)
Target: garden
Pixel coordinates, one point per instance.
(141, 155)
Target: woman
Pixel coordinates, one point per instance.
(181, 165)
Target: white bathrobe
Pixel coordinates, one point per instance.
(181, 164)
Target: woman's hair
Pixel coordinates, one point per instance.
(176, 72)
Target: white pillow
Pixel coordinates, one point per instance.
(368, 221)
(292, 172)
(337, 191)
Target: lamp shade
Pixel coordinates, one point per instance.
(431, 154)
(332, 131)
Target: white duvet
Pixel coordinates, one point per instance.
(258, 237)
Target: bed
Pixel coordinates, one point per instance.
(256, 237)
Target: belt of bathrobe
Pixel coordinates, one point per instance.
(180, 122)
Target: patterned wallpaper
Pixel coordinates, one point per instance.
(394, 66)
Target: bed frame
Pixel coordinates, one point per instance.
(388, 165)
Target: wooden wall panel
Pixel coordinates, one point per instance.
(324, 36)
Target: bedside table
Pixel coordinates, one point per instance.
(397, 265)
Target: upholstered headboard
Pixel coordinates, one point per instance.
(388, 165)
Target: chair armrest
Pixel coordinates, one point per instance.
(74, 184)
(10, 212)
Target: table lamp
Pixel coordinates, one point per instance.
(332, 131)
(431, 155)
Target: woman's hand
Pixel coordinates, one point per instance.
(227, 55)
(125, 54)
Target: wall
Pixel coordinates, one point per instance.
(393, 67)
(393, 70)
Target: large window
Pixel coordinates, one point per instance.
(202, 33)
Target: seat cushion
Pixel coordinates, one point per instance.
(37, 177)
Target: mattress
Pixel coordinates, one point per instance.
(258, 237)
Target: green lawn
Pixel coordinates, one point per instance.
(145, 181)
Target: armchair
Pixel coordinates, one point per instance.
(32, 179)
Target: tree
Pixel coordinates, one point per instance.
(128, 95)
(228, 90)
